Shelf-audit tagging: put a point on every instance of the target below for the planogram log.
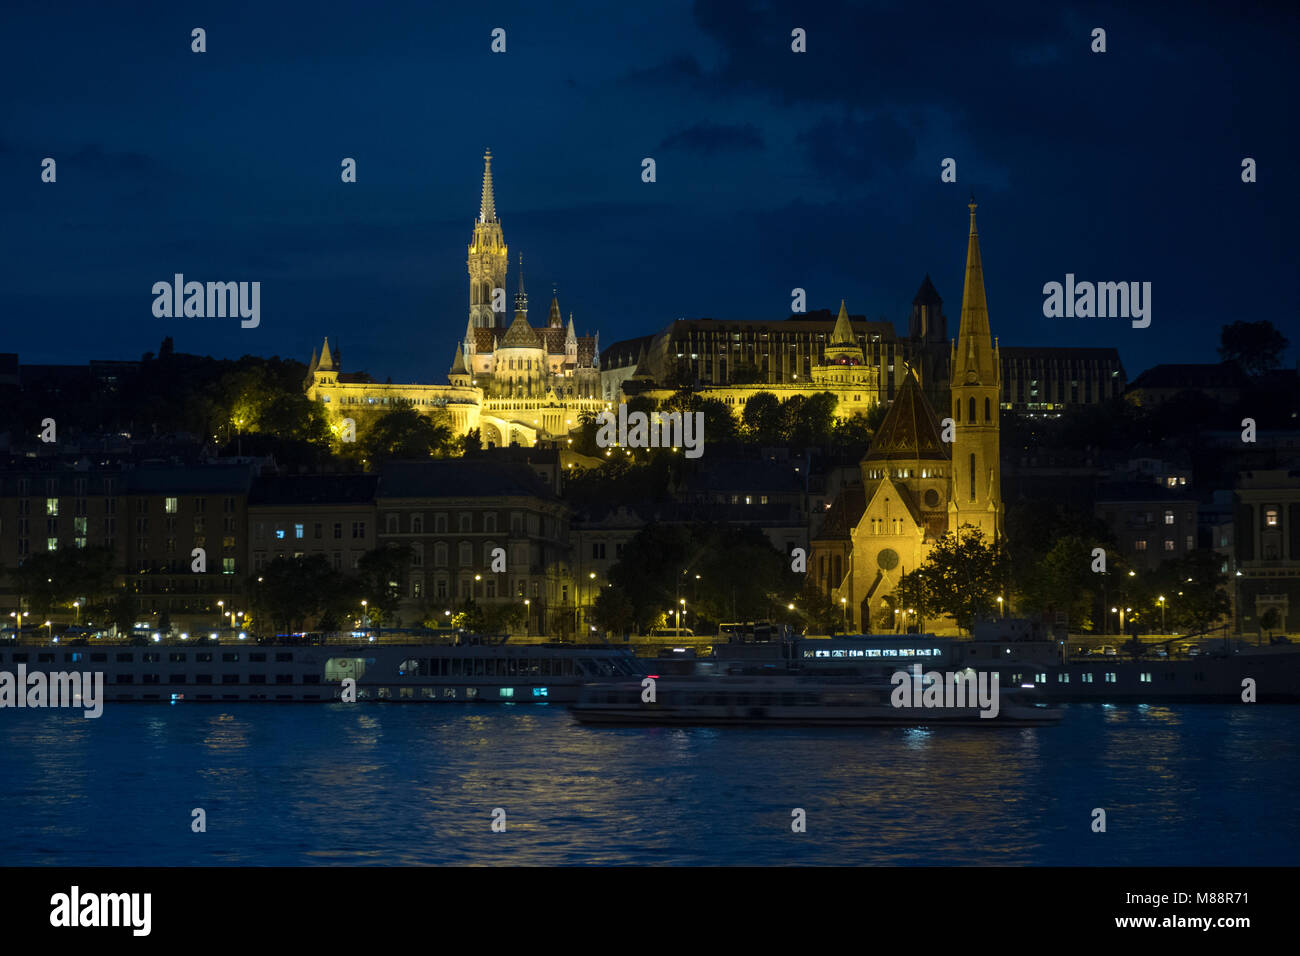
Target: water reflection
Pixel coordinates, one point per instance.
(352, 784)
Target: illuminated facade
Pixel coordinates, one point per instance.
(915, 486)
(516, 383)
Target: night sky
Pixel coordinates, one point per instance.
(775, 169)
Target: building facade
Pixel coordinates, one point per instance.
(514, 382)
(915, 485)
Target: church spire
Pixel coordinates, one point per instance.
(555, 320)
(976, 387)
(521, 297)
(488, 257)
(974, 343)
(488, 206)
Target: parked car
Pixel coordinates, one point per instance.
(1107, 650)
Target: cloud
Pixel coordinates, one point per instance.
(853, 149)
(715, 137)
(681, 68)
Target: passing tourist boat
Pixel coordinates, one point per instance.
(789, 700)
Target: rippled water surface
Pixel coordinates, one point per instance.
(305, 784)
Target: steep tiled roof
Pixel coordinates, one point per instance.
(910, 430)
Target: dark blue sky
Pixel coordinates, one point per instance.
(775, 170)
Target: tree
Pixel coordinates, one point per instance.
(915, 592)
(613, 611)
(1255, 346)
(762, 418)
(381, 574)
(966, 574)
(1063, 582)
(288, 592)
(1199, 597)
(852, 432)
(404, 432)
(1269, 621)
(52, 580)
(122, 611)
(822, 615)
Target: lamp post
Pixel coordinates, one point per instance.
(18, 631)
(681, 606)
(76, 610)
(1001, 610)
(528, 616)
(844, 612)
(1161, 601)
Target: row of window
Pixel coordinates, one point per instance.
(150, 657)
(207, 679)
(1141, 544)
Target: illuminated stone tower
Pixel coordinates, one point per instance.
(487, 258)
(976, 386)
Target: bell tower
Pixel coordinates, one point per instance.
(487, 256)
(976, 387)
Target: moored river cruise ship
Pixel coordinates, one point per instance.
(448, 673)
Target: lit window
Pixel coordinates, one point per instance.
(1270, 516)
(169, 506)
(52, 506)
(1169, 517)
(297, 530)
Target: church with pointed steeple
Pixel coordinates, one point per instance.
(915, 486)
(515, 382)
(517, 360)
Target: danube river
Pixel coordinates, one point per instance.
(302, 784)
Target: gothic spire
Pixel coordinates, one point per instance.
(974, 342)
(488, 207)
(521, 297)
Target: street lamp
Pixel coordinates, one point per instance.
(76, 606)
(18, 631)
(528, 616)
(1161, 601)
(681, 606)
(1000, 607)
(844, 612)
